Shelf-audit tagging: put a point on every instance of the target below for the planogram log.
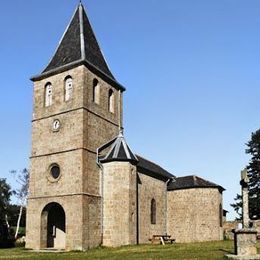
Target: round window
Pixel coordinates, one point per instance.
(55, 171)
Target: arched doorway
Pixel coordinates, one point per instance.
(53, 226)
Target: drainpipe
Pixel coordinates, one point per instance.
(100, 164)
(137, 208)
(166, 203)
(119, 111)
(102, 194)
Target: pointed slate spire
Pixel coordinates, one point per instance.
(119, 151)
(79, 45)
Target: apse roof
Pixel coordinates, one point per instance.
(192, 181)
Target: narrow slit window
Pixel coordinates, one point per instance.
(153, 211)
(220, 215)
(96, 91)
(68, 88)
(111, 101)
(48, 95)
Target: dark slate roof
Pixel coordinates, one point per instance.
(79, 42)
(78, 45)
(69, 48)
(152, 169)
(119, 151)
(192, 181)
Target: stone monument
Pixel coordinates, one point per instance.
(245, 238)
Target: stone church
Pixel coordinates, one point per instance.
(87, 187)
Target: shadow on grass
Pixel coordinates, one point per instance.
(226, 251)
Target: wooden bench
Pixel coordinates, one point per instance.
(169, 240)
(162, 239)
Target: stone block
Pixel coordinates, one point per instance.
(245, 242)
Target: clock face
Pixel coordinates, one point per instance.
(56, 125)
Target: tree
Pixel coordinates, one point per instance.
(13, 212)
(6, 239)
(253, 169)
(253, 148)
(22, 178)
(238, 206)
(5, 196)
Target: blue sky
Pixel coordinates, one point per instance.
(191, 69)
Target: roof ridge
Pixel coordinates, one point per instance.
(95, 38)
(149, 160)
(198, 177)
(81, 35)
(61, 38)
(155, 165)
(186, 176)
(193, 181)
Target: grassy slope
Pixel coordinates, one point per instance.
(208, 250)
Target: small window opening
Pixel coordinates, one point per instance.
(96, 91)
(55, 171)
(68, 88)
(111, 101)
(153, 211)
(48, 95)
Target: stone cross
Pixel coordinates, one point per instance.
(245, 238)
(244, 185)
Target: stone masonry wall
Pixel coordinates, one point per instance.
(100, 109)
(119, 198)
(228, 226)
(99, 127)
(69, 137)
(151, 188)
(84, 126)
(58, 103)
(69, 182)
(91, 227)
(77, 237)
(193, 214)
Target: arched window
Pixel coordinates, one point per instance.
(111, 101)
(220, 215)
(48, 94)
(68, 88)
(153, 211)
(96, 91)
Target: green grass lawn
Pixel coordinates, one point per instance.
(206, 250)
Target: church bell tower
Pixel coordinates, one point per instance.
(77, 108)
